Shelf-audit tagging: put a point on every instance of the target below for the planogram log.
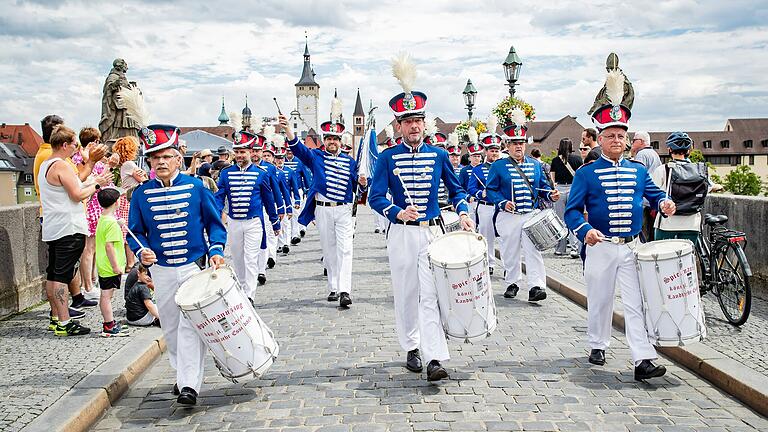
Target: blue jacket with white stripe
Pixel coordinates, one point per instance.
(421, 170)
(477, 179)
(173, 221)
(248, 193)
(504, 181)
(303, 176)
(277, 194)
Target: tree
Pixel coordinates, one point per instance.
(696, 156)
(743, 181)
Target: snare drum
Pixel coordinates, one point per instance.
(459, 263)
(451, 220)
(224, 319)
(545, 229)
(670, 289)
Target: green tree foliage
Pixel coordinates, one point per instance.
(696, 156)
(743, 181)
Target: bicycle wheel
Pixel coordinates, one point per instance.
(734, 292)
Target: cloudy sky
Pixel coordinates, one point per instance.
(693, 63)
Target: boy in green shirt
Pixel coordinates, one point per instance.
(110, 257)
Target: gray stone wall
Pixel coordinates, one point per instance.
(23, 258)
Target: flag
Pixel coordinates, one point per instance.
(368, 153)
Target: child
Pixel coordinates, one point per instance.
(110, 257)
(139, 308)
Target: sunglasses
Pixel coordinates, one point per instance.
(583, 148)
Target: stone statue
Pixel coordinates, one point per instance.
(612, 64)
(115, 121)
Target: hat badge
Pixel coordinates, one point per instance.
(149, 134)
(238, 136)
(409, 102)
(616, 113)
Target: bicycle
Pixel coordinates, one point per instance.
(724, 269)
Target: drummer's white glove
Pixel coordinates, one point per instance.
(148, 257)
(466, 223)
(216, 261)
(593, 237)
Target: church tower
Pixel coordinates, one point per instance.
(246, 116)
(358, 120)
(223, 117)
(307, 96)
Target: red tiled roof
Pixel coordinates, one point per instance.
(221, 131)
(22, 135)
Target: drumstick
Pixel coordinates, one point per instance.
(396, 172)
(278, 106)
(478, 179)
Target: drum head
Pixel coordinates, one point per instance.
(458, 247)
(204, 285)
(449, 216)
(537, 216)
(663, 249)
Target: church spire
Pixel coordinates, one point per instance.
(223, 117)
(307, 74)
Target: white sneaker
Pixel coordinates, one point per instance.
(93, 294)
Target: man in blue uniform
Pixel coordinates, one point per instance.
(611, 189)
(247, 190)
(289, 186)
(485, 208)
(178, 227)
(475, 151)
(413, 213)
(263, 157)
(304, 179)
(515, 184)
(329, 201)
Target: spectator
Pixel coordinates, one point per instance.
(140, 310)
(206, 157)
(223, 161)
(193, 169)
(183, 151)
(64, 224)
(642, 152)
(564, 166)
(130, 177)
(589, 139)
(110, 257)
(546, 170)
(583, 151)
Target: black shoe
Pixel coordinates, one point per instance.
(511, 291)
(333, 296)
(536, 294)
(82, 302)
(301, 233)
(344, 300)
(490, 271)
(597, 357)
(270, 262)
(376, 231)
(286, 249)
(295, 241)
(187, 396)
(647, 369)
(253, 305)
(176, 391)
(74, 313)
(325, 272)
(262, 278)
(436, 372)
(413, 363)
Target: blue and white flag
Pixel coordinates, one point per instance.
(368, 153)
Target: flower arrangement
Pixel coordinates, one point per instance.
(504, 109)
(463, 127)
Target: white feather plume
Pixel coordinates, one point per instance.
(614, 86)
(493, 121)
(404, 70)
(453, 139)
(430, 126)
(472, 132)
(517, 117)
(346, 140)
(134, 104)
(235, 121)
(335, 109)
(269, 132)
(256, 124)
(389, 131)
(278, 140)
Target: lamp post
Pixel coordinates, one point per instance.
(512, 65)
(469, 97)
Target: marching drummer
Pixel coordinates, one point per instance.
(247, 190)
(611, 190)
(268, 251)
(178, 230)
(475, 151)
(411, 172)
(515, 184)
(478, 177)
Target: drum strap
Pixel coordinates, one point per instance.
(525, 179)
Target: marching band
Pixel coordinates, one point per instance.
(279, 186)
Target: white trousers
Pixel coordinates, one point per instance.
(295, 225)
(485, 227)
(336, 230)
(473, 210)
(272, 243)
(607, 265)
(284, 239)
(417, 315)
(513, 242)
(381, 222)
(186, 350)
(244, 243)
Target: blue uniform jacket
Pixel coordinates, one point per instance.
(421, 170)
(248, 193)
(293, 180)
(285, 191)
(504, 180)
(277, 194)
(612, 193)
(303, 175)
(173, 221)
(477, 179)
(333, 176)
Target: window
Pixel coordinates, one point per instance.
(725, 144)
(655, 145)
(295, 126)
(751, 159)
(748, 143)
(358, 120)
(718, 160)
(28, 178)
(14, 177)
(764, 143)
(707, 143)
(27, 192)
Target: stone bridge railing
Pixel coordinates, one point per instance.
(23, 257)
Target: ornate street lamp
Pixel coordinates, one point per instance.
(512, 65)
(469, 97)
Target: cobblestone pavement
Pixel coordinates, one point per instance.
(38, 367)
(342, 370)
(747, 344)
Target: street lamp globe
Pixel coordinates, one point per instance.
(469, 96)
(512, 65)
